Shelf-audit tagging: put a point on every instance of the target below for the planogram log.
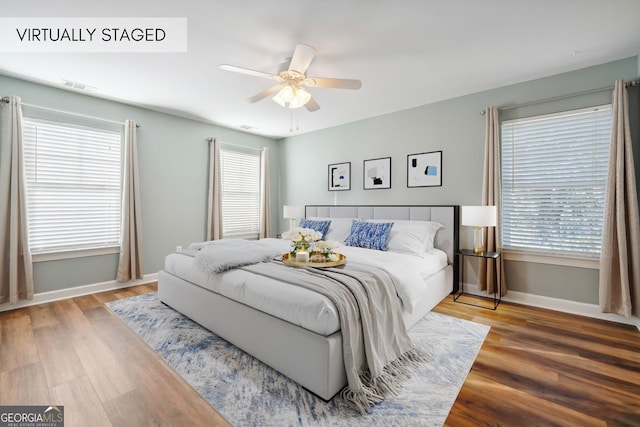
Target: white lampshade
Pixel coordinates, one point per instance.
(293, 212)
(479, 216)
(292, 96)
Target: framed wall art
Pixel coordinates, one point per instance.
(340, 176)
(377, 173)
(424, 169)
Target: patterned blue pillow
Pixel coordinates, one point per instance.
(369, 235)
(321, 226)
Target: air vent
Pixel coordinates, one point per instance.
(78, 86)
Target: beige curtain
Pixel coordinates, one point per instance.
(130, 264)
(492, 195)
(16, 274)
(265, 207)
(620, 253)
(214, 211)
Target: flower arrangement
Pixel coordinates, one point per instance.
(325, 248)
(301, 238)
(308, 240)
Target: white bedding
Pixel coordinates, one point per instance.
(300, 306)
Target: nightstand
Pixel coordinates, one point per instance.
(495, 256)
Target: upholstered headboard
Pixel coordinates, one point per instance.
(446, 239)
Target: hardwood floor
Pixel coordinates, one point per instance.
(545, 368)
(536, 368)
(77, 353)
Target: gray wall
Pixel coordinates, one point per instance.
(173, 155)
(456, 127)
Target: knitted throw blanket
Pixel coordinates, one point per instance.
(377, 350)
(221, 255)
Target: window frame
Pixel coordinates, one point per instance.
(547, 256)
(235, 150)
(69, 122)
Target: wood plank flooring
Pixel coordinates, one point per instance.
(545, 368)
(536, 368)
(77, 353)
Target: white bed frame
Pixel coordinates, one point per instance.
(310, 359)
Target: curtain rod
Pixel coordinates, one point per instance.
(558, 98)
(6, 99)
(210, 140)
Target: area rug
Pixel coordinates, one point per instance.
(248, 393)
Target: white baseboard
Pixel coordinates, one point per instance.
(557, 304)
(77, 291)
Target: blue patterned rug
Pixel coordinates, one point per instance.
(248, 393)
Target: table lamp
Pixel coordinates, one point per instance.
(292, 213)
(479, 217)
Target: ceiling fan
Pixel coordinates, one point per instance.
(290, 88)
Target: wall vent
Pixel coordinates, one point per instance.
(78, 86)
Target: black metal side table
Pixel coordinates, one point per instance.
(487, 255)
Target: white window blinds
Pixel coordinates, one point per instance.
(554, 171)
(73, 186)
(240, 193)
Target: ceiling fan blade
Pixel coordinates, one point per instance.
(333, 83)
(257, 97)
(312, 105)
(247, 71)
(302, 57)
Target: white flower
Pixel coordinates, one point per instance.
(298, 234)
(333, 257)
(332, 244)
(327, 245)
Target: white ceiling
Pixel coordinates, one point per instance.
(406, 52)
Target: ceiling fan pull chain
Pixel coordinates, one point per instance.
(291, 121)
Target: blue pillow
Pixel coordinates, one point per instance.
(369, 235)
(321, 226)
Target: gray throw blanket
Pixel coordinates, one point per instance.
(377, 350)
(221, 255)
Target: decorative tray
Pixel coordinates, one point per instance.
(288, 259)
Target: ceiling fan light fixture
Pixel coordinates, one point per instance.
(292, 96)
(289, 90)
(301, 97)
(278, 100)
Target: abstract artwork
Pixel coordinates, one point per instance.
(377, 173)
(340, 176)
(424, 169)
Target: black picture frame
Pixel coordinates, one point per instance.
(424, 169)
(339, 176)
(376, 174)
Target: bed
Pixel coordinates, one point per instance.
(290, 329)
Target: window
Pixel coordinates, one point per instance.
(240, 193)
(554, 171)
(73, 181)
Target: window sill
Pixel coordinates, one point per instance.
(246, 236)
(78, 253)
(541, 258)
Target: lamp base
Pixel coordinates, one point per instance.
(478, 240)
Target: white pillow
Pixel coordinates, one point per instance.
(412, 237)
(338, 229)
